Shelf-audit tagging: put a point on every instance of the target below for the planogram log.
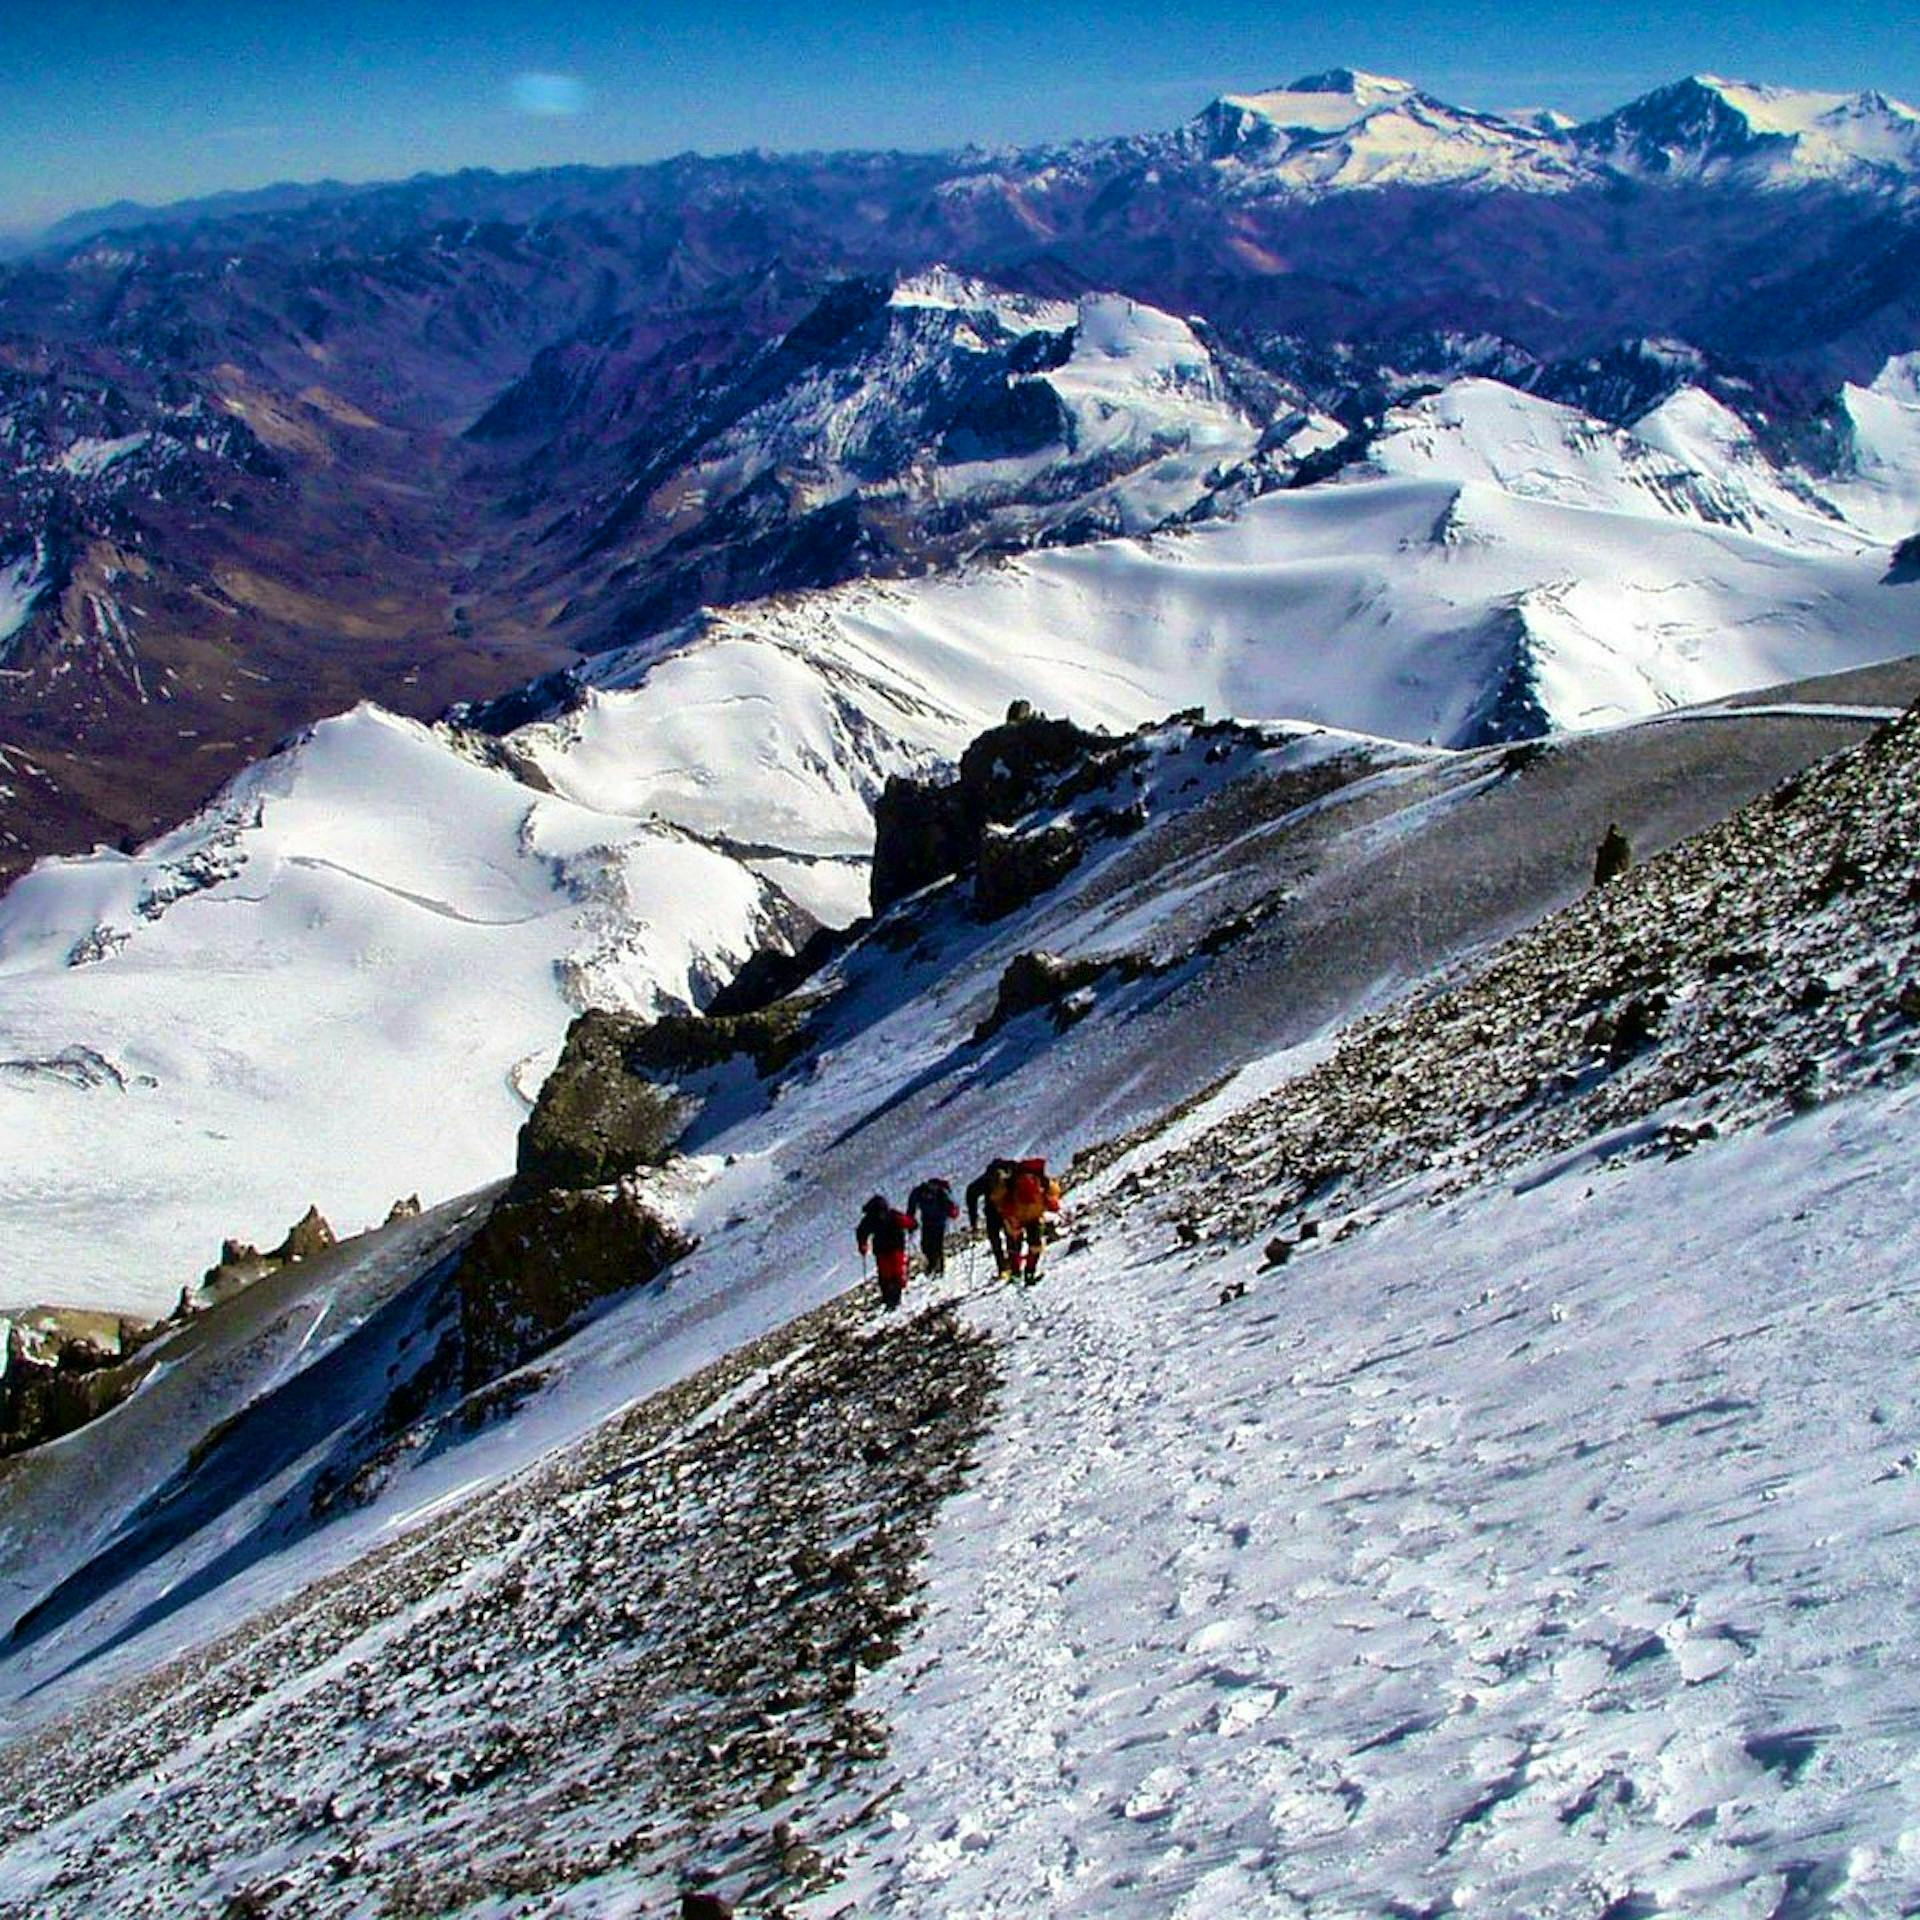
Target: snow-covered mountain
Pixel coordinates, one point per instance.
(1495, 566)
(1707, 129)
(523, 417)
(895, 424)
(1460, 1452)
(1341, 131)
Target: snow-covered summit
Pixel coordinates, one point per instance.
(1709, 129)
(1344, 130)
(1341, 130)
(1325, 102)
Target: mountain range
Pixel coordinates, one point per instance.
(423, 442)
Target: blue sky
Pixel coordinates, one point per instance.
(175, 97)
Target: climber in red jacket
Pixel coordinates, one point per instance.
(885, 1230)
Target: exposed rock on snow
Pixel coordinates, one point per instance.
(596, 1119)
(308, 1235)
(577, 1225)
(61, 1367)
(543, 1258)
(1012, 868)
(1034, 980)
(927, 829)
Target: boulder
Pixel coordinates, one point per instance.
(1014, 868)
(1037, 980)
(597, 1118)
(542, 1259)
(1905, 569)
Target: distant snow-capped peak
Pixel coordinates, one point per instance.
(1345, 129)
(1709, 128)
(1325, 102)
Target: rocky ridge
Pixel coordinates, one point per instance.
(1753, 970)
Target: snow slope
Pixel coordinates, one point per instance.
(1342, 130)
(1537, 1553)
(340, 985)
(1706, 128)
(1878, 486)
(1540, 1543)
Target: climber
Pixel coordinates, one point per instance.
(930, 1204)
(997, 1173)
(887, 1232)
(1024, 1197)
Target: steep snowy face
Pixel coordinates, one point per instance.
(1339, 131)
(340, 984)
(1736, 132)
(1878, 479)
(897, 424)
(962, 400)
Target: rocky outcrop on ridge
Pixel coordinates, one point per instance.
(63, 1366)
(578, 1223)
(925, 830)
(1012, 868)
(596, 1118)
(1748, 972)
(542, 1259)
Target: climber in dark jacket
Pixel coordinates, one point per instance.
(886, 1232)
(996, 1172)
(931, 1205)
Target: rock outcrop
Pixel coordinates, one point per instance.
(597, 1118)
(575, 1225)
(1613, 856)
(1034, 980)
(542, 1259)
(683, 1043)
(924, 831)
(1012, 868)
(921, 833)
(63, 1366)
(309, 1235)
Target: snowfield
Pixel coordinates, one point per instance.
(1544, 1553)
(355, 969)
